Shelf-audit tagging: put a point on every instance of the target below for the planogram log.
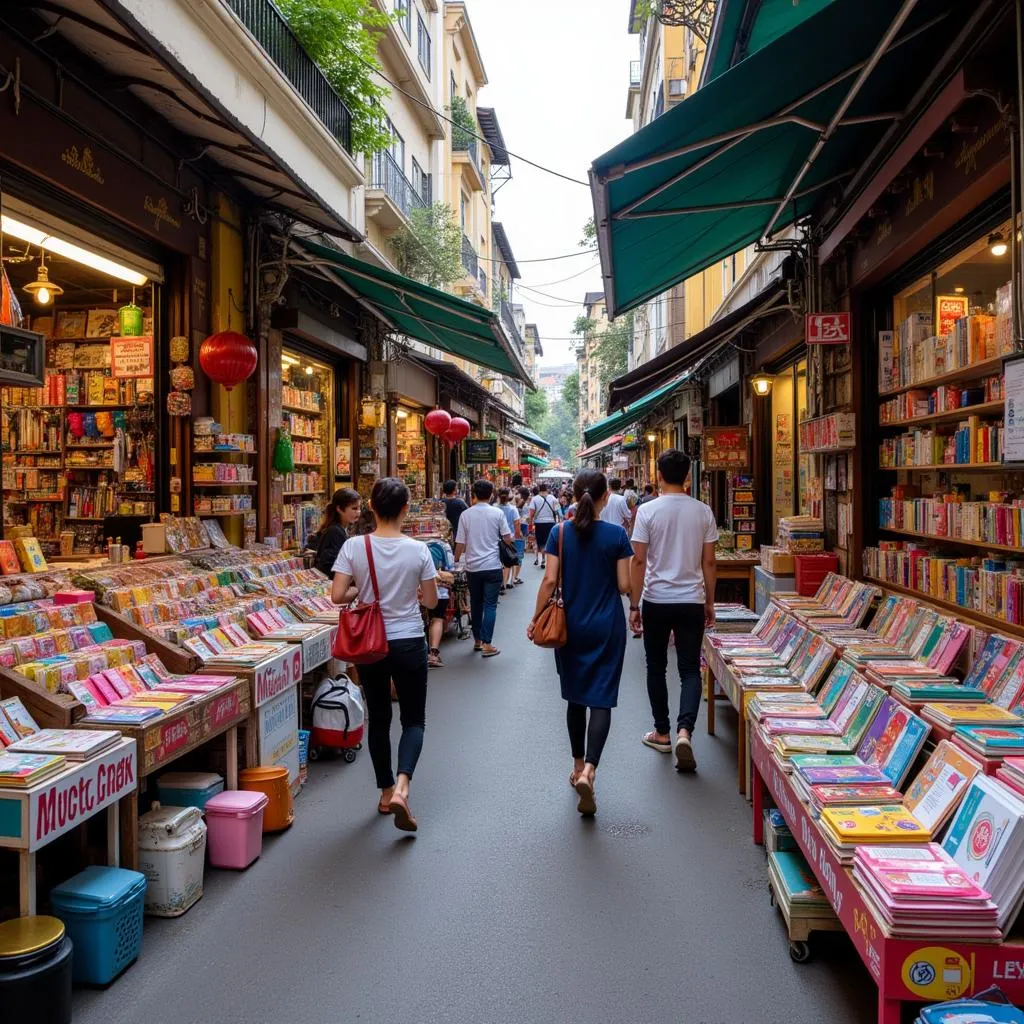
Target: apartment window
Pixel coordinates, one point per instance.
(420, 180)
(659, 103)
(604, 311)
(404, 8)
(463, 210)
(422, 44)
(453, 89)
(397, 147)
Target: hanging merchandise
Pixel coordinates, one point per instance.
(227, 358)
(437, 422)
(10, 307)
(182, 378)
(179, 403)
(179, 349)
(129, 319)
(284, 460)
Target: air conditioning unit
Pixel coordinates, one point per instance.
(677, 88)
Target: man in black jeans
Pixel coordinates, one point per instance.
(673, 572)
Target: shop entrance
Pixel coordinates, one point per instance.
(80, 453)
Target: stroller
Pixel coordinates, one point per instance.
(338, 719)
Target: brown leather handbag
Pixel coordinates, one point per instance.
(549, 626)
(362, 638)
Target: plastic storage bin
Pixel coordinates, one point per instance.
(767, 583)
(172, 853)
(272, 780)
(234, 822)
(35, 970)
(811, 570)
(102, 911)
(188, 789)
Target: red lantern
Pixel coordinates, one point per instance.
(437, 422)
(227, 358)
(458, 430)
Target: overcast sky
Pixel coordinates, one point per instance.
(559, 75)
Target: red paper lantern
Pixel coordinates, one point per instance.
(458, 430)
(437, 422)
(227, 358)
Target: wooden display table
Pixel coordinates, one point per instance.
(716, 671)
(171, 736)
(905, 970)
(32, 818)
(740, 567)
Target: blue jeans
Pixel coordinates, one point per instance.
(483, 603)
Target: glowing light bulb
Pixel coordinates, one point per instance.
(43, 296)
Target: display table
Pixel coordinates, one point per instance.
(738, 567)
(905, 970)
(32, 818)
(172, 736)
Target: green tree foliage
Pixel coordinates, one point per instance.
(571, 390)
(340, 36)
(611, 349)
(429, 248)
(465, 129)
(582, 326)
(536, 409)
(589, 239)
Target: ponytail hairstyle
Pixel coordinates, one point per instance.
(343, 498)
(589, 488)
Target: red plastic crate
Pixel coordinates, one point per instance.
(811, 570)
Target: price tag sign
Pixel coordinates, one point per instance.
(131, 357)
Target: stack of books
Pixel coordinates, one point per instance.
(72, 744)
(734, 618)
(990, 741)
(794, 883)
(921, 893)
(967, 712)
(986, 839)
(845, 829)
(19, 771)
(801, 533)
(970, 1011)
(846, 794)
(1011, 772)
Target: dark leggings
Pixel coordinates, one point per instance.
(590, 737)
(406, 664)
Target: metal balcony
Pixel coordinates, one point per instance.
(635, 73)
(389, 177)
(481, 280)
(281, 45)
(469, 258)
(470, 146)
(510, 325)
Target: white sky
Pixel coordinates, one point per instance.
(559, 76)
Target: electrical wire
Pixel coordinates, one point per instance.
(380, 74)
(557, 298)
(545, 284)
(543, 259)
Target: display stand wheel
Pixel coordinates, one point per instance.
(314, 754)
(350, 756)
(799, 952)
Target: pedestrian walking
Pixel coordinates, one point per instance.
(481, 527)
(511, 573)
(673, 571)
(454, 506)
(593, 558)
(629, 493)
(339, 516)
(544, 513)
(616, 510)
(402, 571)
(444, 562)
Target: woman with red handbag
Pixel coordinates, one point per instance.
(394, 575)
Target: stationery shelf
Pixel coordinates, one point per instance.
(293, 494)
(975, 371)
(949, 415)
(305, 437)
(968, 467)
(951, 540)
(223, 483)
(301, 409)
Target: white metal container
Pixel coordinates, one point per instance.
(172, 851)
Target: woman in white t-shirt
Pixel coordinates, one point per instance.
(406, 579)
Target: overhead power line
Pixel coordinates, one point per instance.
(562, 280)
(544, 259)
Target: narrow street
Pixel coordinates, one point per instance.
(507, 907)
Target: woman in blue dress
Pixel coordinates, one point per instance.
(595, 573)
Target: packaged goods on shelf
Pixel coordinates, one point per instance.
(224, 442)
(303, 427)
(834, 432)
(973, 441)
(950, 516)
(306, 400)
(426, 519)
(799, 534)
(222, 472)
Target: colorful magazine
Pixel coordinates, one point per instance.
(940, 785)
(893, 740)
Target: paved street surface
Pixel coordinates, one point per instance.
(507, 908)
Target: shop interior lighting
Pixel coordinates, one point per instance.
(42, 288)
(959, 289)
(70, 251)
(997, 244)
(287, 360)
(651, 438)
(401, 414)
(762, 384)
(309, 371)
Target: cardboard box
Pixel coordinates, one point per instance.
(778, 561)
(766, 584)
(154, 538)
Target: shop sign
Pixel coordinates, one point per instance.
(695, 421)
(827, 328)
(276, 674)
(131, 357)
(279, 733)
(936, 973)
(71, 799)
(951, 308)
(726, 448)
(316, 649)
(481, 451)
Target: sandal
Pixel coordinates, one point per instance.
(587, 805)
(492, 653)
(434, 658)
(404, 821)
(573, 776)
(383, 808)
(478, 647)
(662, 746)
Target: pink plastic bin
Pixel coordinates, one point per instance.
(234, 821)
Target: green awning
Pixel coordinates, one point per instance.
(743, 27)
(528, 435)
(534, 460)
(756, 148)
(617, 423)
(418, 311)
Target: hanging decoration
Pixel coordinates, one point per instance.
(129, 319)
(458, 430)
(179, 349)
(436, 422)
(284, 458)
(182, 378)
(179, 403)
(227, 358)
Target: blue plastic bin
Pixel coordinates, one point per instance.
(188, 789)
(102, 910)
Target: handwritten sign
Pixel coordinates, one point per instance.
(827, 328)
(131, 357)
(726, 448)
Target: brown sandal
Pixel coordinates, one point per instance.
(404, 821)
(383, 808)
(587, 805)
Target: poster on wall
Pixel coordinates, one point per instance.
(783, 448)
(343, 458)
(131, 357)
(1013, 411)
(726, 448)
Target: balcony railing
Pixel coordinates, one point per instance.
(517, 387)
(271, 31)
(481, 280)
(468, 145)
(387, 175)
(510, 325)
(635, 69)
(469, 258)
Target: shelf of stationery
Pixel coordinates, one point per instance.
(948, 415)
(973, 371)
(305, 437)
(953, 467)
(302, 410)
(223, 483)
(986, 545)
(823, 435)
(222, 451)
(294, 494)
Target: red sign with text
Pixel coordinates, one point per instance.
(827, 328)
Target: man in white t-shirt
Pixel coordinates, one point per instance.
(673, 570)
(481, 526)
(616, 509)
(544, 512)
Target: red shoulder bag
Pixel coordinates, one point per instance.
(361, 638)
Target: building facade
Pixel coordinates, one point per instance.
(596, 312)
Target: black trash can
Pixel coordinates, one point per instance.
(35, 970)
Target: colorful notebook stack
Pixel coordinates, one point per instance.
(848, 828)
(920, 893)
(73, 744)
(986, 839)
(793, 881)
(19, 771)
(1011, 772)
(970, 1011)
(990, 741)
(940, 785)
(734, 618)
(950, 715)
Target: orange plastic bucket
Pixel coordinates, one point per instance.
(272, 780)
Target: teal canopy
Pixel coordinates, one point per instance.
(529, 435)
(617, 423)
(758, 147)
